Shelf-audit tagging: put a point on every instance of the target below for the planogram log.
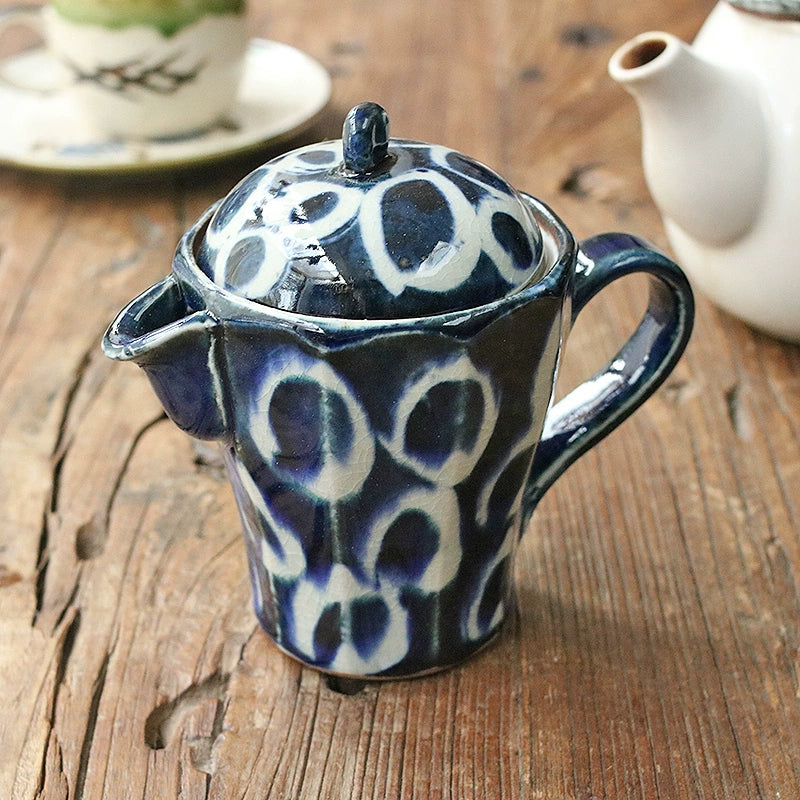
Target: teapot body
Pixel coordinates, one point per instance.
(757, 277)
(721, 152)
(379, 471)
(385, 465)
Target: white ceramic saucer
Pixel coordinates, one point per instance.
(281, 93)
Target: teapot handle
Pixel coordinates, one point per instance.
(592, 410)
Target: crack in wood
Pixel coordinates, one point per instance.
(203, 750)
(531, 74)
(58, 456)
(164, 720)
(598, 183)
(69, 604)
(42, 561)
(679, 391)
(737, 413)
(347, 47)
(305, 755)
(53, 781)
(586, 35)
(90, 538)
(67, 645)
(112, 495)
(60, 448)
(91, 725)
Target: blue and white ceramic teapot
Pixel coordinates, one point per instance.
(372, 329)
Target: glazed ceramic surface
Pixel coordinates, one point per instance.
(385, 467)
(135, 80)
(319, 232)
(167, 16)
(51, 133)
(721, 150)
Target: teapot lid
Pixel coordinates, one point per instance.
(372, 228)
(789, 9)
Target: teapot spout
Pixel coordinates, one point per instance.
(704, 142)
(178, 350)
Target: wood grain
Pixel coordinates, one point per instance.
(655, 650)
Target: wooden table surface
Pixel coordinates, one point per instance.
(655, 652)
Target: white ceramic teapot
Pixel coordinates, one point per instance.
(721, 151)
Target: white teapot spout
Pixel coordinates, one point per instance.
(721, 152)
(704, 142)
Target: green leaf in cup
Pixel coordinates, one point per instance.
(168, 16)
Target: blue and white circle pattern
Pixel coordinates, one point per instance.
(281, 551)
(470, 416)
(317, 436)
(398, 252)
(433, 232)
(487, 609)
(353, 629)
(434, 560)
(387, 498)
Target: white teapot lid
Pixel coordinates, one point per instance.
(372, 228)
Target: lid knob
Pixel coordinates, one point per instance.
(365, 138)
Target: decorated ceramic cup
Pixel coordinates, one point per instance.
(372, 329)
(143, 68)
